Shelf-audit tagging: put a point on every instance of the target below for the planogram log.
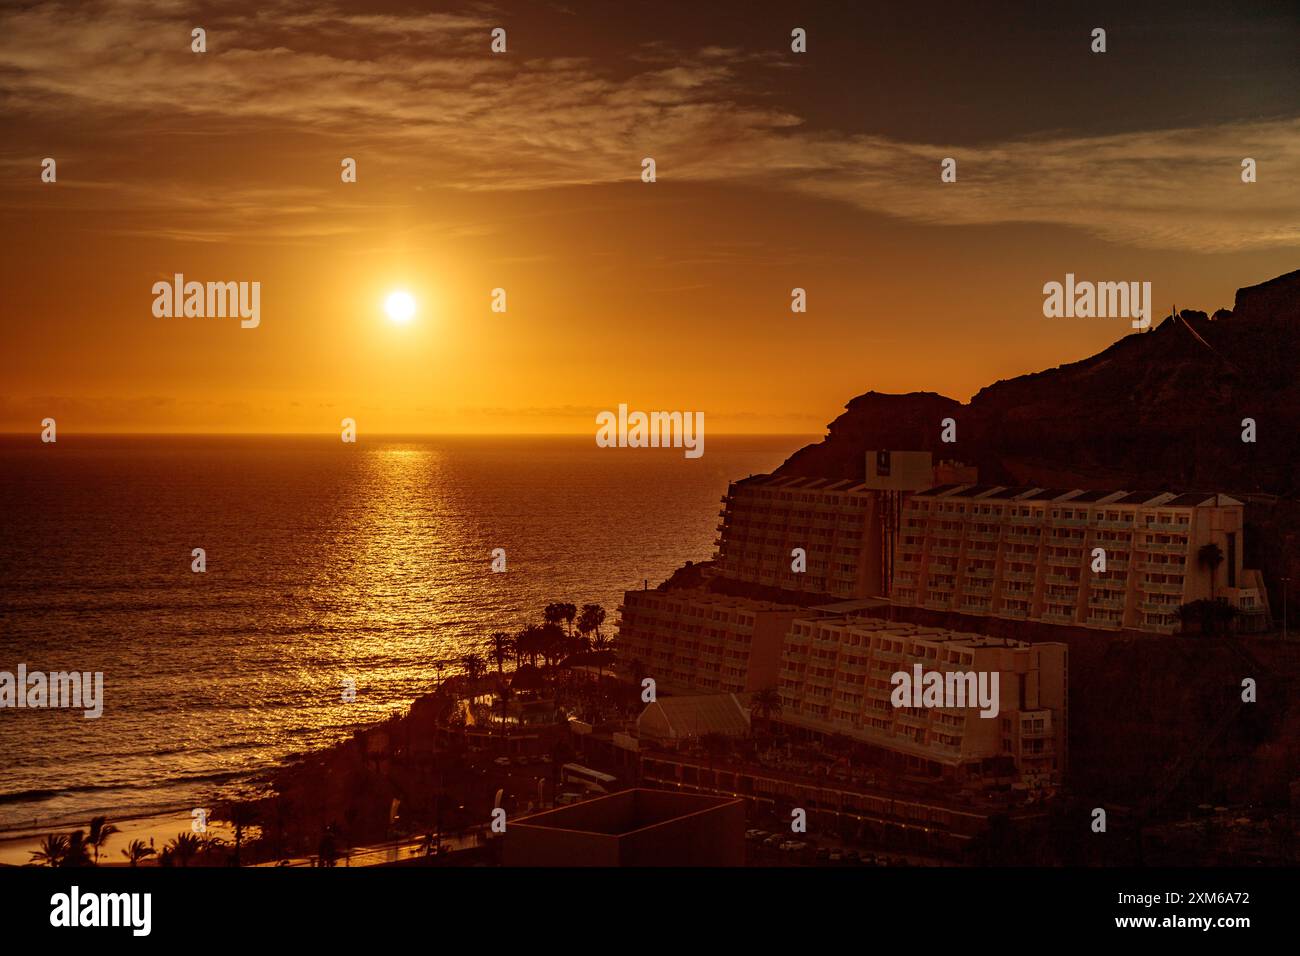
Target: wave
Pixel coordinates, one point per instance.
(39, 794)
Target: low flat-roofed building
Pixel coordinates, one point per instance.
(837, 678)
(693, 716)
(637, 827)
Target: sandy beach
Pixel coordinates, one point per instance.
(16, 848)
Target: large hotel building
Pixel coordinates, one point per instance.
(691, 640)
(833, 671)
(915, 534)
(1029, 554)
(845, 528)
(836, 679)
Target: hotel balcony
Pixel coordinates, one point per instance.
(1157, 608)
(1163, 547)
(1165, 526)
(1108, 583)
(1162, 587)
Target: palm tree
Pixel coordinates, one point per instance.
(183, 848)
(78, 852)
(209, 845)
(553, 614)
(52, 850)
(505, 693)
(100, 831)
(242, 815)
(600, 644)
(1210, 556)
(567, 613)
(136, 851)
(500, 645)
(551, 643)
(474, 666)
(593, 616)
(765, 703)
(529, 642)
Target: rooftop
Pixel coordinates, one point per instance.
(677, 718)
(1188, 499)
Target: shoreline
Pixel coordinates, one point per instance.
(159, 827)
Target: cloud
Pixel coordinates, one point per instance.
(422, 91)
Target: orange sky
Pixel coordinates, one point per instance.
(522, 172)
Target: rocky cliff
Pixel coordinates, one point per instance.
(1161, 409)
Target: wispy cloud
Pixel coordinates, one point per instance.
(422, 89)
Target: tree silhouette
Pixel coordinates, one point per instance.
(136, 851)
(1210, 556)
(52, 850)
(100, 831)
(500, 646)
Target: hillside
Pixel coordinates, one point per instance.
(1156, 410)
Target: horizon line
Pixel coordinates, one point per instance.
(335, 434)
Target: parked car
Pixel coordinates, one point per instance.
(793, 846)
(774, 840)
(823, 855)
(754, 836)
(502, 761)
(837, 855)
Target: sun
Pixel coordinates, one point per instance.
(400, 306)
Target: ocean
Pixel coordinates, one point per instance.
(325, 562)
